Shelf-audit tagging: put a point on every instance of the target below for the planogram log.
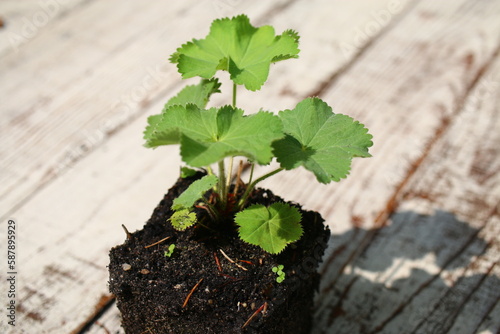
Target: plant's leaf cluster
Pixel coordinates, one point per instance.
(278, 270)
(310, 135)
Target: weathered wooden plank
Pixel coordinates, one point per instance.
(110, 321)
(54, 114)
(80, 62)
(436, 273)
(79, 123)
(442, 60)
(355, 25)
(415, 277)
(406, 89)
(61, 225)
(65, 244)
(472, 296)
(458, 72)
(490, 321)
(22, 21)
(101, 169)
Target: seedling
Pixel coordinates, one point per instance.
(309, 135)
(279, 271)
(170, 251)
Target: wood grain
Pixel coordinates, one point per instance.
(68, 110)
(74, 213)
(415, 244)
(433, 268)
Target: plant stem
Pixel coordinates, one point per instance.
(212, 212)
(222, 183)
(210, 171)
(238, 178)
(234, 94)
(230, 171)
(251, 173)
(251, 186)
(229, 174)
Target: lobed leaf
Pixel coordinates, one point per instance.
(183, 219)
(271, 228)
(321, 141)
(207, 136)
(193, 94)
(194, 192)
(234, 45)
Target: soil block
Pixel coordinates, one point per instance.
(212, 282)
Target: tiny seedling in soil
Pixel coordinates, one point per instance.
(310, 135)
(278, 270)
(170, 251)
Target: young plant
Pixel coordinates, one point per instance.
(310, 135)
(278, 270)
(170, 251)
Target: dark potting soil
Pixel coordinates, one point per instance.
(152, 289)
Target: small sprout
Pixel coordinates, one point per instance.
(170, 251)
(278, 270)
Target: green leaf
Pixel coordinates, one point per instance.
(207, 136)
(194, 192)
(236, 46)
(183, 219)
(321, 141)
(271, 228)
(194, 94)
(187, 172)
(170, 251)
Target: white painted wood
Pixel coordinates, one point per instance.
(66, 198)
(411, 81)
(86, 76)
(405, 88)
(22, 21)
(434, 268)
(74, 113)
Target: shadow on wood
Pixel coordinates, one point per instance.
(420, 274)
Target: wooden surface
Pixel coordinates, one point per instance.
(415, 246)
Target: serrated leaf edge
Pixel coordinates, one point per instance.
(267, 207)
